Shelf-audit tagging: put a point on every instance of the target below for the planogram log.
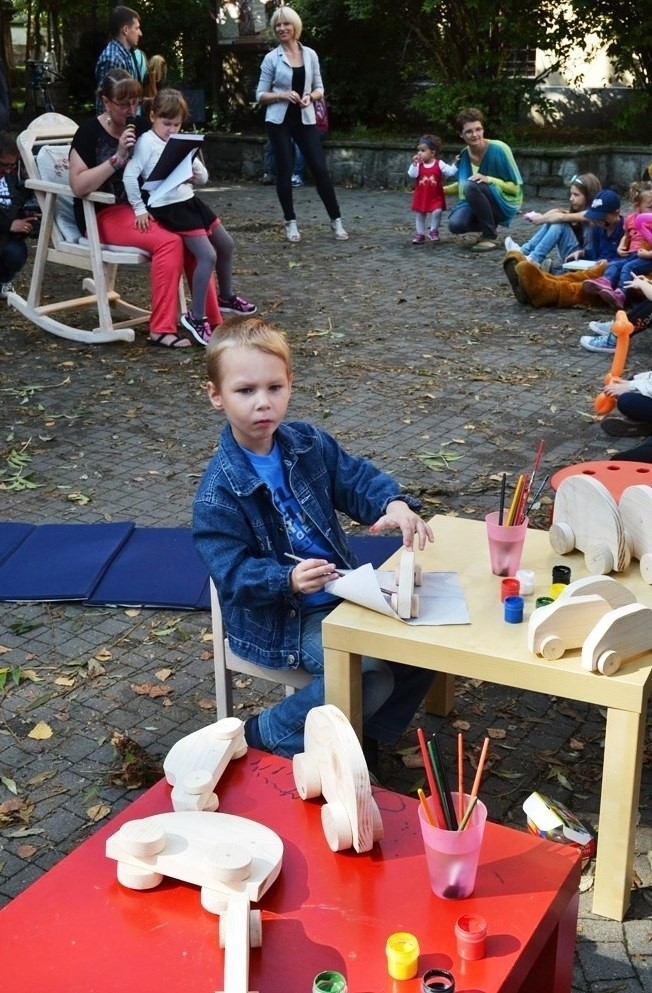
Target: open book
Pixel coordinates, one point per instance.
(174, 166)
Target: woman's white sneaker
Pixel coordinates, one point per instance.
(338, 230)
(291, 231)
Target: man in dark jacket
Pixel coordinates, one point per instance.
(16, 223)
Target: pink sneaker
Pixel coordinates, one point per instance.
(592, 287)
(433, 234)
(418, 239)
(613, 298)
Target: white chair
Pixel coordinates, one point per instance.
(226, 662)
(44, 148)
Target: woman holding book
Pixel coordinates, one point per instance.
(174, 205)
(100, 150)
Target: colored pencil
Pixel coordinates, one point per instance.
(467, 813)
(426, 808)
(516, 496)
(430, 776)
(442, 782)
(536, 495)
(503, 487)
(478, 773)
(460, 776)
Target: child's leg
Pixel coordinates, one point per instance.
(222, 242)
(636, 407)
(435, 220)
(633, 266)
(204, 253)
(420, 222)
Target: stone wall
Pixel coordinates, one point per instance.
(546, 173)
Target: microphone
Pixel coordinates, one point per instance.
(131, 123)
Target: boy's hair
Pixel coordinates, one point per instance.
(589, 183)
(118, 84)
(170, 103)
(121, 17)
(637, 189)
(431, 141)
(8, 144)
(289, 15)
(246, 332)
(468, 115)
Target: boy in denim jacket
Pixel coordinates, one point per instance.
(272, 490)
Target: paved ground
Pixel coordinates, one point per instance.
(419, 358)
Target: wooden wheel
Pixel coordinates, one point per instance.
(307, 777)
(646, 567)
(137, 879)
(608, 663)
(598, 559)
(337, 826)
(552, 648)
(142, 839)
(562, 538)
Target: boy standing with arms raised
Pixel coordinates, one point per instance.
(272, 490)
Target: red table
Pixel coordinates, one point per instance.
(616, 476)
(77, 930)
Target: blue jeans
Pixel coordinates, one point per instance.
(547, 238)
(621, 271)
(391, 694)
(12, 258)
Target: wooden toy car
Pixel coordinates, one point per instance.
(408, 575)
(194, 765)
(586, 516)
(635, 506)
(612, 590)
(620, 635)
(564, 624)
(333, 765)
(233, 859)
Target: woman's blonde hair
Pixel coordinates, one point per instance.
(245, 332)
(289, 15)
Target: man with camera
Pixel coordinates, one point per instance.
(17, 221)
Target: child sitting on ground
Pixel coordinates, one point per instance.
(180, 210)
(273, 491)
(634, 250)
(428, 196)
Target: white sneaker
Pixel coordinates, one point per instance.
(338, 230)
(599, 343)
(601, 328)
(6, 289)
(511, 245)
(292, 231)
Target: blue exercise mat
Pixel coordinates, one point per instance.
(120, 564)
(61, 561)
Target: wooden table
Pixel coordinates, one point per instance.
(77, 930)
(492, 650)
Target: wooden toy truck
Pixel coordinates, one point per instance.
(586, 516)
(233, 859)
(333, 765)
(194, 765)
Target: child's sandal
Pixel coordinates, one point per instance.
(169, 340)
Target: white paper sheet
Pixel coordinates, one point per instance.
(441, 600)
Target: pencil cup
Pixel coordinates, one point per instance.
(505, 545)
(452, 856)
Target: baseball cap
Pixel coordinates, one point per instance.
(606, 202)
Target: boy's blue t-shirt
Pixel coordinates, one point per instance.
(304, 538)
(603, 245)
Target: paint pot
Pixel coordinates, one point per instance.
(543, 601)
(561, 574)
(509, 587)
(402, 951)
(513, 609)
(471, 937)
(438, 981)
(526, 580)
(555, 589)
(329, 982)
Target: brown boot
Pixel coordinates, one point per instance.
(510, 262)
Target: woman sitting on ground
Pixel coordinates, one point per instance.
(562, 229)
(100, 150)
(489, 184)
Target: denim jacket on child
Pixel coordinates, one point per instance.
(241, 537)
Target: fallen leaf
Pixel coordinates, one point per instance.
(41, 731)
(14, 811)
(148, 689)
(41, 777)
(164, 674)
(65, 681)
(104, 655)
(26, 851)
(132, 612)
(98, 811)
(461, 725)
(206, 704)
(496, 733)
(10, 784)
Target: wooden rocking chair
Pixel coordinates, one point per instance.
(44, 147)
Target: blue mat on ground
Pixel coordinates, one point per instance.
(120, 564)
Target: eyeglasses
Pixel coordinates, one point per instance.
(469, 131)
(125, 104)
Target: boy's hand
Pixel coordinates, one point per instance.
(399, 515)
(311, 575)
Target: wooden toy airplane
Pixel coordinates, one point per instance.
(408, 575)
(233, 860)
(586, 516)
(196, 762)
(635, 506)
(333, 765)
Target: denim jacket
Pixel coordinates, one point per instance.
(241, 537)
(276, 77)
